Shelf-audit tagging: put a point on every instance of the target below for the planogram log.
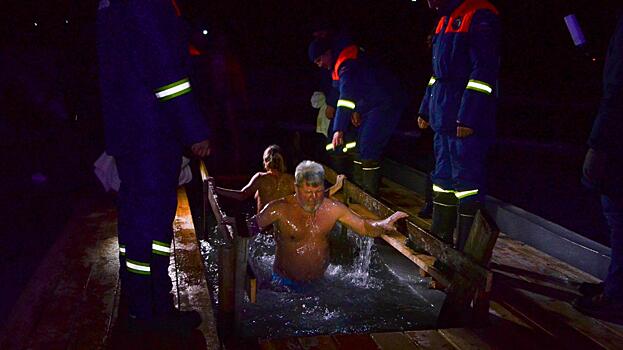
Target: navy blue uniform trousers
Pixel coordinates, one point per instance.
(460, 163)
(147, 204)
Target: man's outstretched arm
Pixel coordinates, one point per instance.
(269, 215)
(366, 227)
(246, 192)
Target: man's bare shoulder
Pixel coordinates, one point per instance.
(334, 205)
(283, 201)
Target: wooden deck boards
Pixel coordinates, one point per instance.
(71, 301)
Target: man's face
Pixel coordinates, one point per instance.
(309, 197)
(325, 60)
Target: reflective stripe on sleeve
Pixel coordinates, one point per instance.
(479, 86)
(432, 81)
(346, 103)
(173, 90)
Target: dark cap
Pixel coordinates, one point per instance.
(318, 47)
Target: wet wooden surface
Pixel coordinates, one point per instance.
(72, 300)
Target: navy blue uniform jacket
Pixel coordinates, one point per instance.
(465, 70)
(144, 67)
(363, 86)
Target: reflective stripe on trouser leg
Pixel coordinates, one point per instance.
(147, 202)
(161, 248)
(161, 252)
(138, 267)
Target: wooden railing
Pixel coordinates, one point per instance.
(235, 281)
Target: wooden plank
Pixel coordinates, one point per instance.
(355, 341)
(192, 285)
(61, 310)
(320, 342)
(404, 199)
(591, 328)
(98, 311)
(463, 339)
(550, 324)
(424, 262)
(251, 285)
(429, 340)
(280, 344)
(393, 341)
(482, 238)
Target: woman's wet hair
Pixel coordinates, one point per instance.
(274, 159)
(310, 173)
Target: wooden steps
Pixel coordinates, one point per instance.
(451, 339)
(71, 302)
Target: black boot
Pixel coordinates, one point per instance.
(444, 216)
(427, 210)
(357, 173)
(371, 176)
(467, 213)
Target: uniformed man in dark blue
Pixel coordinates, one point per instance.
(603, 172)
(150, 115)
(369, 96)
(459, 105)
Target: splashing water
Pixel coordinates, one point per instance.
(362, 262)
(362, 297)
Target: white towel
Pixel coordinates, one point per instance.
(106, 172)
(319, 101)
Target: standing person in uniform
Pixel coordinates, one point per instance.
(371, 95)
(150, 114)
(603, 172)
(459, 105)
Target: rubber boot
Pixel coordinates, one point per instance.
(357, 172)
(371, 176)
(427, 210)
(444, 216)
(467, 213)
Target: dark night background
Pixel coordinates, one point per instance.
(50, 123)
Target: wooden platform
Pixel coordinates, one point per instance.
(530, 306)
(72, 299)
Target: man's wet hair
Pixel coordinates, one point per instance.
(274, 158)
(310, 173)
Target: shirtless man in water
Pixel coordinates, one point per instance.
(273, 184)
(303, 222)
